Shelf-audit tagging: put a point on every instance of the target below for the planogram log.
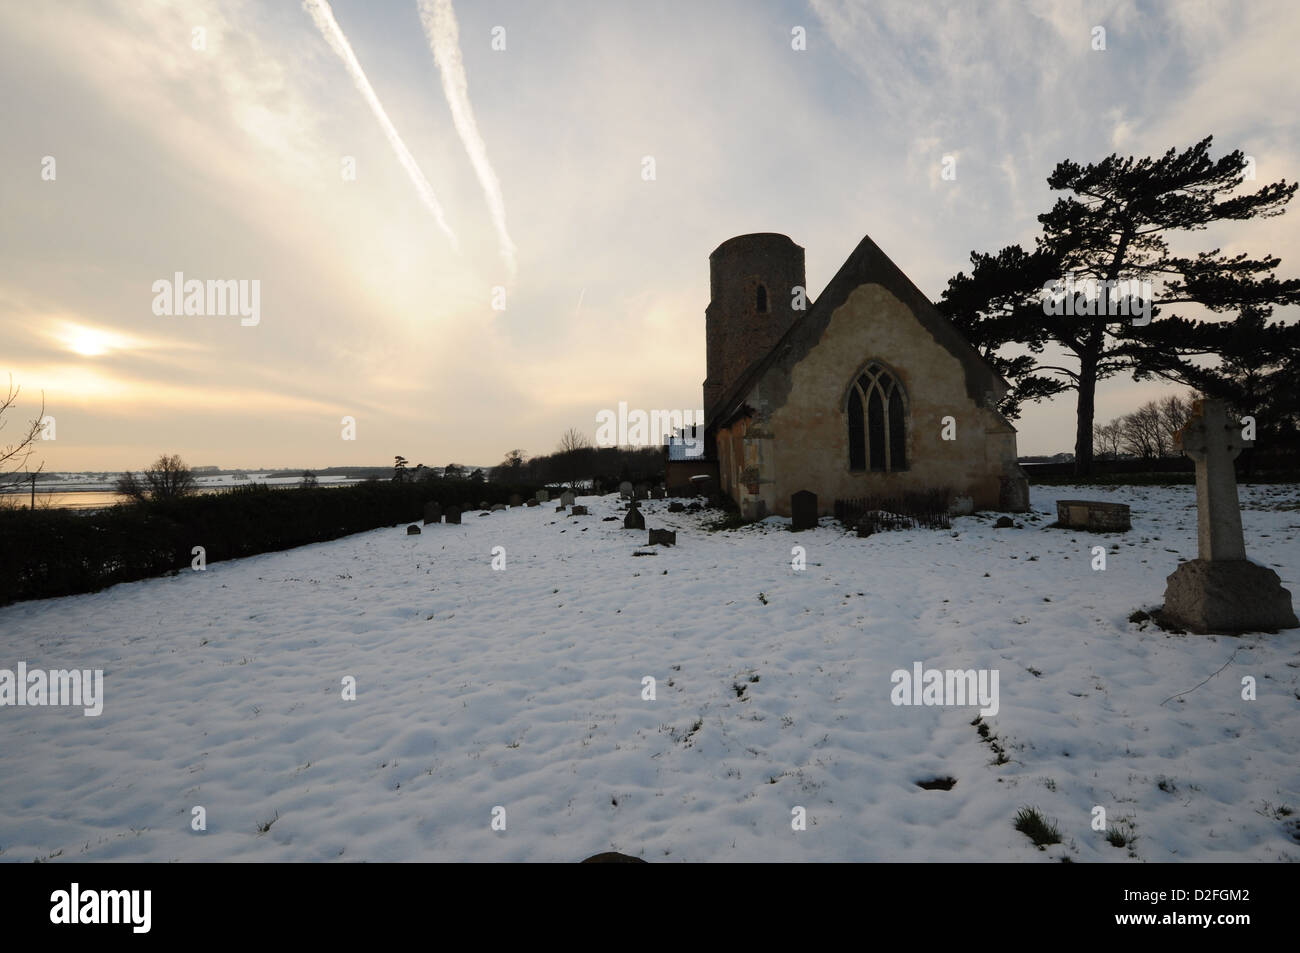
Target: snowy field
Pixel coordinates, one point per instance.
(522, 689)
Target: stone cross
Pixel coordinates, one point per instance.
(1221, 590)
(1213, 441)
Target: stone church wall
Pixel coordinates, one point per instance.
(798, 437)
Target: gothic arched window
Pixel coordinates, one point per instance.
(762, 299)
(877, 422)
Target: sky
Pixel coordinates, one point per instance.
(445, 206)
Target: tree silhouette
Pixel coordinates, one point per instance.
(1114, 228)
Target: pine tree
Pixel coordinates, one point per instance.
(1113, 229)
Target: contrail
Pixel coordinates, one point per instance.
(440, 27)
(320, 12)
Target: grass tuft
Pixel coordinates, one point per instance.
(1032, 824)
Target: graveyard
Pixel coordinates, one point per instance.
(847, 431)
(499, 667)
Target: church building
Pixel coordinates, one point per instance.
(867, 392)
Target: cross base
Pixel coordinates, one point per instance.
(1228, 596)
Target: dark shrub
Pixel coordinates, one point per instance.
(59, 552)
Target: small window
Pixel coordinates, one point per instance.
(762, 299)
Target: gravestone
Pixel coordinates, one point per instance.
(516, 499)
(1013, 492)
(567, 498)
(803, 510)
(412, 530)
(453, 514)
(483, 504)
(533, 503)
(659, 493)
(664, 537)
(498, 506)
(675, 507)
(543, 496)
(432, 513)
(612, 857)
(642, 494)
(961, 506)
(625, 490)
(578, 511)
(634, 519)
(1221, 590)
(1093, 515)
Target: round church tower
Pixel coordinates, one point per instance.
(751, 288)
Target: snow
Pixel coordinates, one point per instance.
(522, 689)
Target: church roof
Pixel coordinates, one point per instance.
(866, 265)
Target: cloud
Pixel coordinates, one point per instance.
(321, 13)
(440, 27)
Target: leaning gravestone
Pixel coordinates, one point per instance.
(625, 490)
(567, 498)
(634, 519)
(432, 513)
(453, 514)
(664, 537)
(803, 510)
(1221, 590)
(412, 530)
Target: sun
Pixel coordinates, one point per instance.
(90, 342)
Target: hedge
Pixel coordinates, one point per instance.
(60, 552)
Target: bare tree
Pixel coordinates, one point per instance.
(1107, 438)
(168, 478)
(1143, 433)
(1175, 410)
(14, 457)
(573, 439)
(129, 485)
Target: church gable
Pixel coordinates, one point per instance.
(868, 264)
(871, 393)
(868, 402)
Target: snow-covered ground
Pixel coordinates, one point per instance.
(522, 689)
